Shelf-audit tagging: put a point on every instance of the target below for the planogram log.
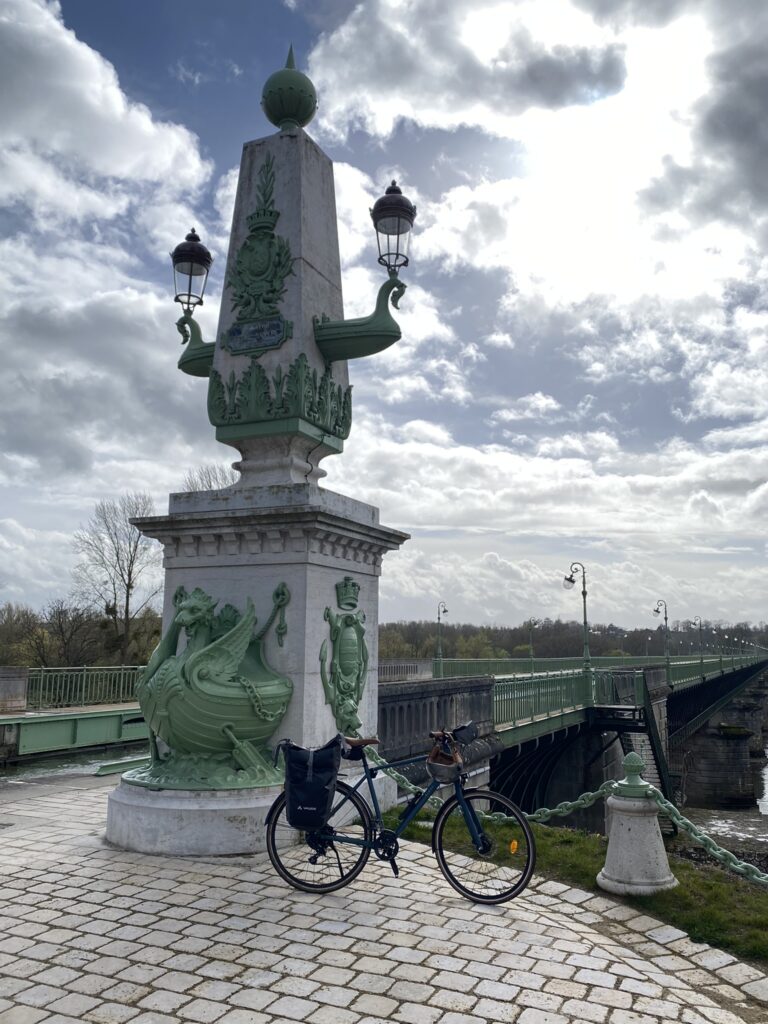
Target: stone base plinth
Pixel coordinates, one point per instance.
(188, 823)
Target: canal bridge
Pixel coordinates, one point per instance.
(549, 728)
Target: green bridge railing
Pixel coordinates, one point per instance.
(446, 668)
(522, 699)
(78, 687)
(554, 685)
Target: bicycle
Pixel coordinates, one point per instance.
(483, 843)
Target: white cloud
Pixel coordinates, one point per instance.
(431, 68)
(71, 132)
(528, 407)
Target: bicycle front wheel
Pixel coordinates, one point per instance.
(322, 860)
(503, 865)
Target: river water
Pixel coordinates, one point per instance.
(43, 769)
(743, 831)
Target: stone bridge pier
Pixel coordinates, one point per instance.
(716, 765)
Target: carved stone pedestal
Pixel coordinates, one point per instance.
(242, 543)
(189, 823)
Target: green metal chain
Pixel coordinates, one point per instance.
(373, 755)
(723, 857)
(566, 807)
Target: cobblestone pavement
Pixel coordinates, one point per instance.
(90, 933)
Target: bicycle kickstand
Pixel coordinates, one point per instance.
(395, 868)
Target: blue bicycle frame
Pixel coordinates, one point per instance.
(411, 809)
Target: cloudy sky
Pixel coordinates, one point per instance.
(583, 369)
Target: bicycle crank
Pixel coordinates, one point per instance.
(386, 847)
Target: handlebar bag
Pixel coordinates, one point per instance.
(310, 783)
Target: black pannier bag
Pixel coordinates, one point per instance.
(310, 782)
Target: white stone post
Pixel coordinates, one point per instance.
(636, 862)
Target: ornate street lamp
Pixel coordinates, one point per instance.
(393, 216)
(657, 611)
(568, 582)
(191, 263)
(532, 624)
(696, 620)
(441, 610)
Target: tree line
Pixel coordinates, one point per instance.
(111, 616)
(555, 638)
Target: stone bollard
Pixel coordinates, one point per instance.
(636, 863)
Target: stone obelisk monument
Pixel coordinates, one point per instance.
(271, 586)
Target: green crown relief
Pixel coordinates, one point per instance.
(345, 677)
(254, 398)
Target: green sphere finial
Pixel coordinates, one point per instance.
(288, 98)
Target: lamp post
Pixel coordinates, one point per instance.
(393, 216)
(532, 624)
(441, 610)
(647, 641)
(696, 620)
(191, 263)
(729, 649)
(657, 611)
(568, 582)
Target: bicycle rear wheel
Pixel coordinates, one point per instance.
(503, 866)
(321, 861)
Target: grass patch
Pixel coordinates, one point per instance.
(711, 904)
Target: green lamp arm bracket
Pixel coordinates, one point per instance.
(366, 335)
(197, 357)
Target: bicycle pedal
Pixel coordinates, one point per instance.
(395, 868)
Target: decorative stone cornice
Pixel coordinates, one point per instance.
(275, 535)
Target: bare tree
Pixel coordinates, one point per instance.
(119, 565)
(211, 476)
(17, 624)
(73, 633)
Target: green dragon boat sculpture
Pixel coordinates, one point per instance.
(211, 708)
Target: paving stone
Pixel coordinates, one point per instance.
(40, 995)
(111, 1013)
(531, 1016)
(22, 1015)
(377, 1005)
(292, 1008)
(630, 1017)
(579, 1010)
(757, 989)
(246, 1017)
(739, 974)
(455, 1001)
(663, 1008)
(163, 1001)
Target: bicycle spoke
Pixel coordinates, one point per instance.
(493, 874)
(322, 861)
